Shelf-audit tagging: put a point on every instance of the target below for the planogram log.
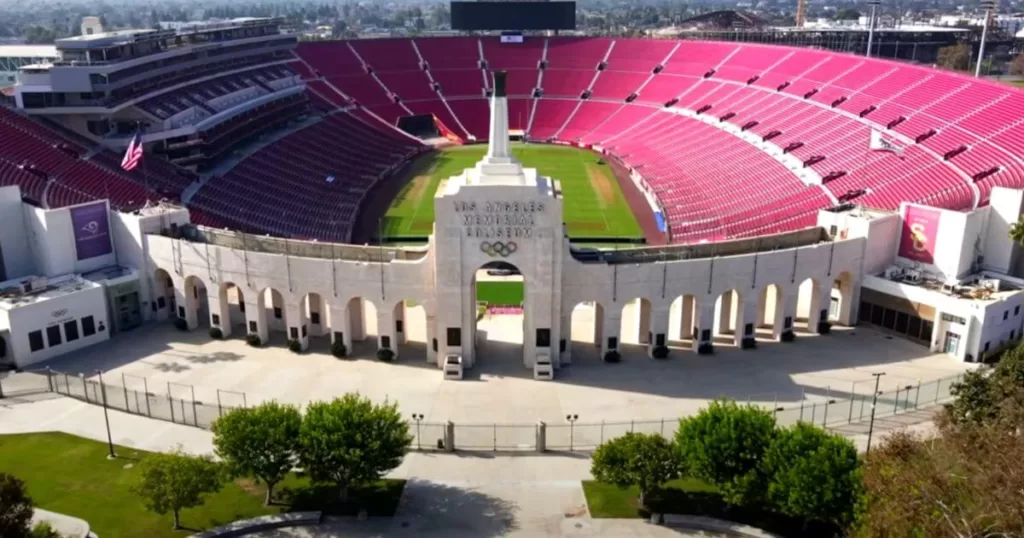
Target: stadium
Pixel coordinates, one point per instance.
(671, 194)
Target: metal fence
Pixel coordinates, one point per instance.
(181, 404)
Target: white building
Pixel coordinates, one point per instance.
(934, 276)
(13, 57)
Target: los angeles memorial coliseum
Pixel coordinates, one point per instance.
(680, 196)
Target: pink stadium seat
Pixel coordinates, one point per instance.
(567, 82)
(524, 55)
(387, 54)
(639, 55)
(577, 52)
(450, 53)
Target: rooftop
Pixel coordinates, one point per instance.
(28, 51)
(35, 289)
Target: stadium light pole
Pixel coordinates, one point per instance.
(871, 24)
(989, 6)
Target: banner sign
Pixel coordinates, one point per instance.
(920, 229)
(92, 230)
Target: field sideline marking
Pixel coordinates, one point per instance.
(430, 179)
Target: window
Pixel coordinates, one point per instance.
(293, 333)
(433, 344)
(543, 337)
(215, 319)
(748, 329)
(314, 318)
(385, 341)
(161, 302)
(88, 326)
(339, 337)
(902, 320)
(35, 340)
(1006, 315)
(53, 335)
(613, 342)
(253, 327)
(786, 324)
(241, 307)
(926, 330)
(277, 312)
(1016, 310)
(181, 312)
(705, 335)
(304, 331)
(71, 331)
(914, 329)
(399, 326)
(561, 345)
(659, 339)
(454, 336)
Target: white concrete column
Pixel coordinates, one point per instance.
(399, 315)
(221, 309)
(747, 314)
(849, 303)
(612, 323)
(296, 322)
(704, 324)
(658, 321)
(386, 330)
(786, 314)
(186, 298)
(337, 325)
(723, 323)
(565, 357)
(255, 313)
(598, 324)
(644, 322)
(316, 304)
(821, 297)
(762, 305)
(432, 356)
(686, 318)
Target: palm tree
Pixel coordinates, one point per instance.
(1017, 231)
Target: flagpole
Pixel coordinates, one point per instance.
(145, 174)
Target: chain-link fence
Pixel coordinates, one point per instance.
(183, 404)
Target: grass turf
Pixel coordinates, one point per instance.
(500, 293)
(695, 497)
(593, 204)
(71, 475)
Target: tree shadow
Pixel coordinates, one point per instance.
(379, 499)
(430, 508)
(711, 504)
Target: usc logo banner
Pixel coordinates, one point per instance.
(920, 228)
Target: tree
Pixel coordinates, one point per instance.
(636, 459)
(259, 441)
(724, 445)
(351, 441)
(813, 475)
(15, 507)
(990, 398)
(846, 14)
(1017, 65)
(956, 57)
(171, 482)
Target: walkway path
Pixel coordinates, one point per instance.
(466, 494)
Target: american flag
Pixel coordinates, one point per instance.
(133, 154)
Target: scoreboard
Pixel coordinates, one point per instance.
(513, 15)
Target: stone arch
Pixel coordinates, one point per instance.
(635, 325)
(730, 320)
(771, 307)
(811, 303)
(583, 332)
(683, 318)
(362, 324)
(194, 304)
(409, 324)
(163, 294)
(230, 309)
(502, 325)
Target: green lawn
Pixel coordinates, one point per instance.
(1018, 83)
(695, 497)
(500, 293)
(593, 202)
(71, 475)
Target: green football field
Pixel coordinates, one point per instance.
(594, 206)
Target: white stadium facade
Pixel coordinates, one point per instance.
(74, 275)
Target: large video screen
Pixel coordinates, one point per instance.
(475, 16)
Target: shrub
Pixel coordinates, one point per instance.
(180, 324)
(254, 340)
(338, 349)
(43, 530)
(707, 348)
(612, 355)
(216, 333)
(748, 343)
(295, 346)
(636, 459)
(660, 352)
(15, 506)
(385, 354)
(788, 336)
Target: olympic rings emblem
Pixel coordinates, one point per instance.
(498, 248)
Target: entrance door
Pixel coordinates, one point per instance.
(952, 343)
(833, 308)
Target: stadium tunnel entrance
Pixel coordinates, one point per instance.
(499, 292)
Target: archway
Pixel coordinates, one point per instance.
(271, 302)
(586, 331)
(410, 319)
(635, 326)
(231, 316)
(809, 306)
(728, 319)
(502, 324)
(683, 319)
(362, 326)
(195, 308)
(770, 312)
(163, 295)
(842, 306)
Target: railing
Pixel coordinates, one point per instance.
(182, 404)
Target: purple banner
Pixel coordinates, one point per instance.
(92, 230)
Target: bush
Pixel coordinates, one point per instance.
(385, 354)
(636, 459)
(180, 324)
(254, 340)
(612, 355)
(15, 506)
(216, 333)
(44, 530)
(660, 352)
(707, 348)
(748, 343)
(338, 349)
(788, 336)
(295, 346)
